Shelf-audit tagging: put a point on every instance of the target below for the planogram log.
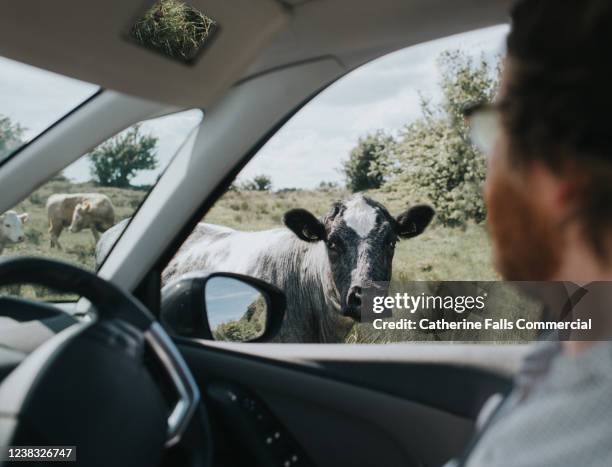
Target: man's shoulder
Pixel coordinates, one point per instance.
(558, 414)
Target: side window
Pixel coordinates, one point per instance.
(96, 195)
(373, 184)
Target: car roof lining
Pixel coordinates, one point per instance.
(90, 41)
(258, 35)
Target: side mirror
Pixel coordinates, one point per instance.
(222, 306)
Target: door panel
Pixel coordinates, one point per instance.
(363, 413)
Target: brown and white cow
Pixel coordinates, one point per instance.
(79, 211)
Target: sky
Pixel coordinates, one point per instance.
(383, 94)
(309, 149)
(228, 299)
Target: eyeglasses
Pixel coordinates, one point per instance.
(484, 123)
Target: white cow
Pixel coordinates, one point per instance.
(11, 228)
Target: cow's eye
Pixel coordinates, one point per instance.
(333, 245)
(7, 225)
(392, 244)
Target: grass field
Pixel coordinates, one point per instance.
(440, 254)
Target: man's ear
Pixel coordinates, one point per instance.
(305, 225)
(24, 217)
(414, 221)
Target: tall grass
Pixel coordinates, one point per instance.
(173, 28)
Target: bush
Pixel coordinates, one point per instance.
(10, 136)
(328, 186)
(258, 183)
(369, 162)
(247, 328)
(116, 162)
(235, 331)
(435, 158)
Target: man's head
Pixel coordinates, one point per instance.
(360, 237)
(549, 186)
(11, 227)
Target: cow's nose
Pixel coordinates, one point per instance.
(21, 238)
(353, 300)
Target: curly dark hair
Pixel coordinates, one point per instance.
(559, 95)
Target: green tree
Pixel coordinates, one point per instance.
(328, 186)
(11, 135)
(250, 326)
(369, 162)
(435, 159)
(258, 183)
(116, 162)
(262, 183)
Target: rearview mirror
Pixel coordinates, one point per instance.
(222, 306)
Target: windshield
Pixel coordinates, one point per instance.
(31, 100)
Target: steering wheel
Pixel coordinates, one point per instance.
(116, 388)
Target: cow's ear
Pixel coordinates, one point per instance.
(24, 217)
(414, 221)
(305, 225)
(86, 206)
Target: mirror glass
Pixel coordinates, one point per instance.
(236, 311)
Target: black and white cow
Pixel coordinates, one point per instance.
(321, 264)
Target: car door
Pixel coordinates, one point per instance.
(409, 404)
